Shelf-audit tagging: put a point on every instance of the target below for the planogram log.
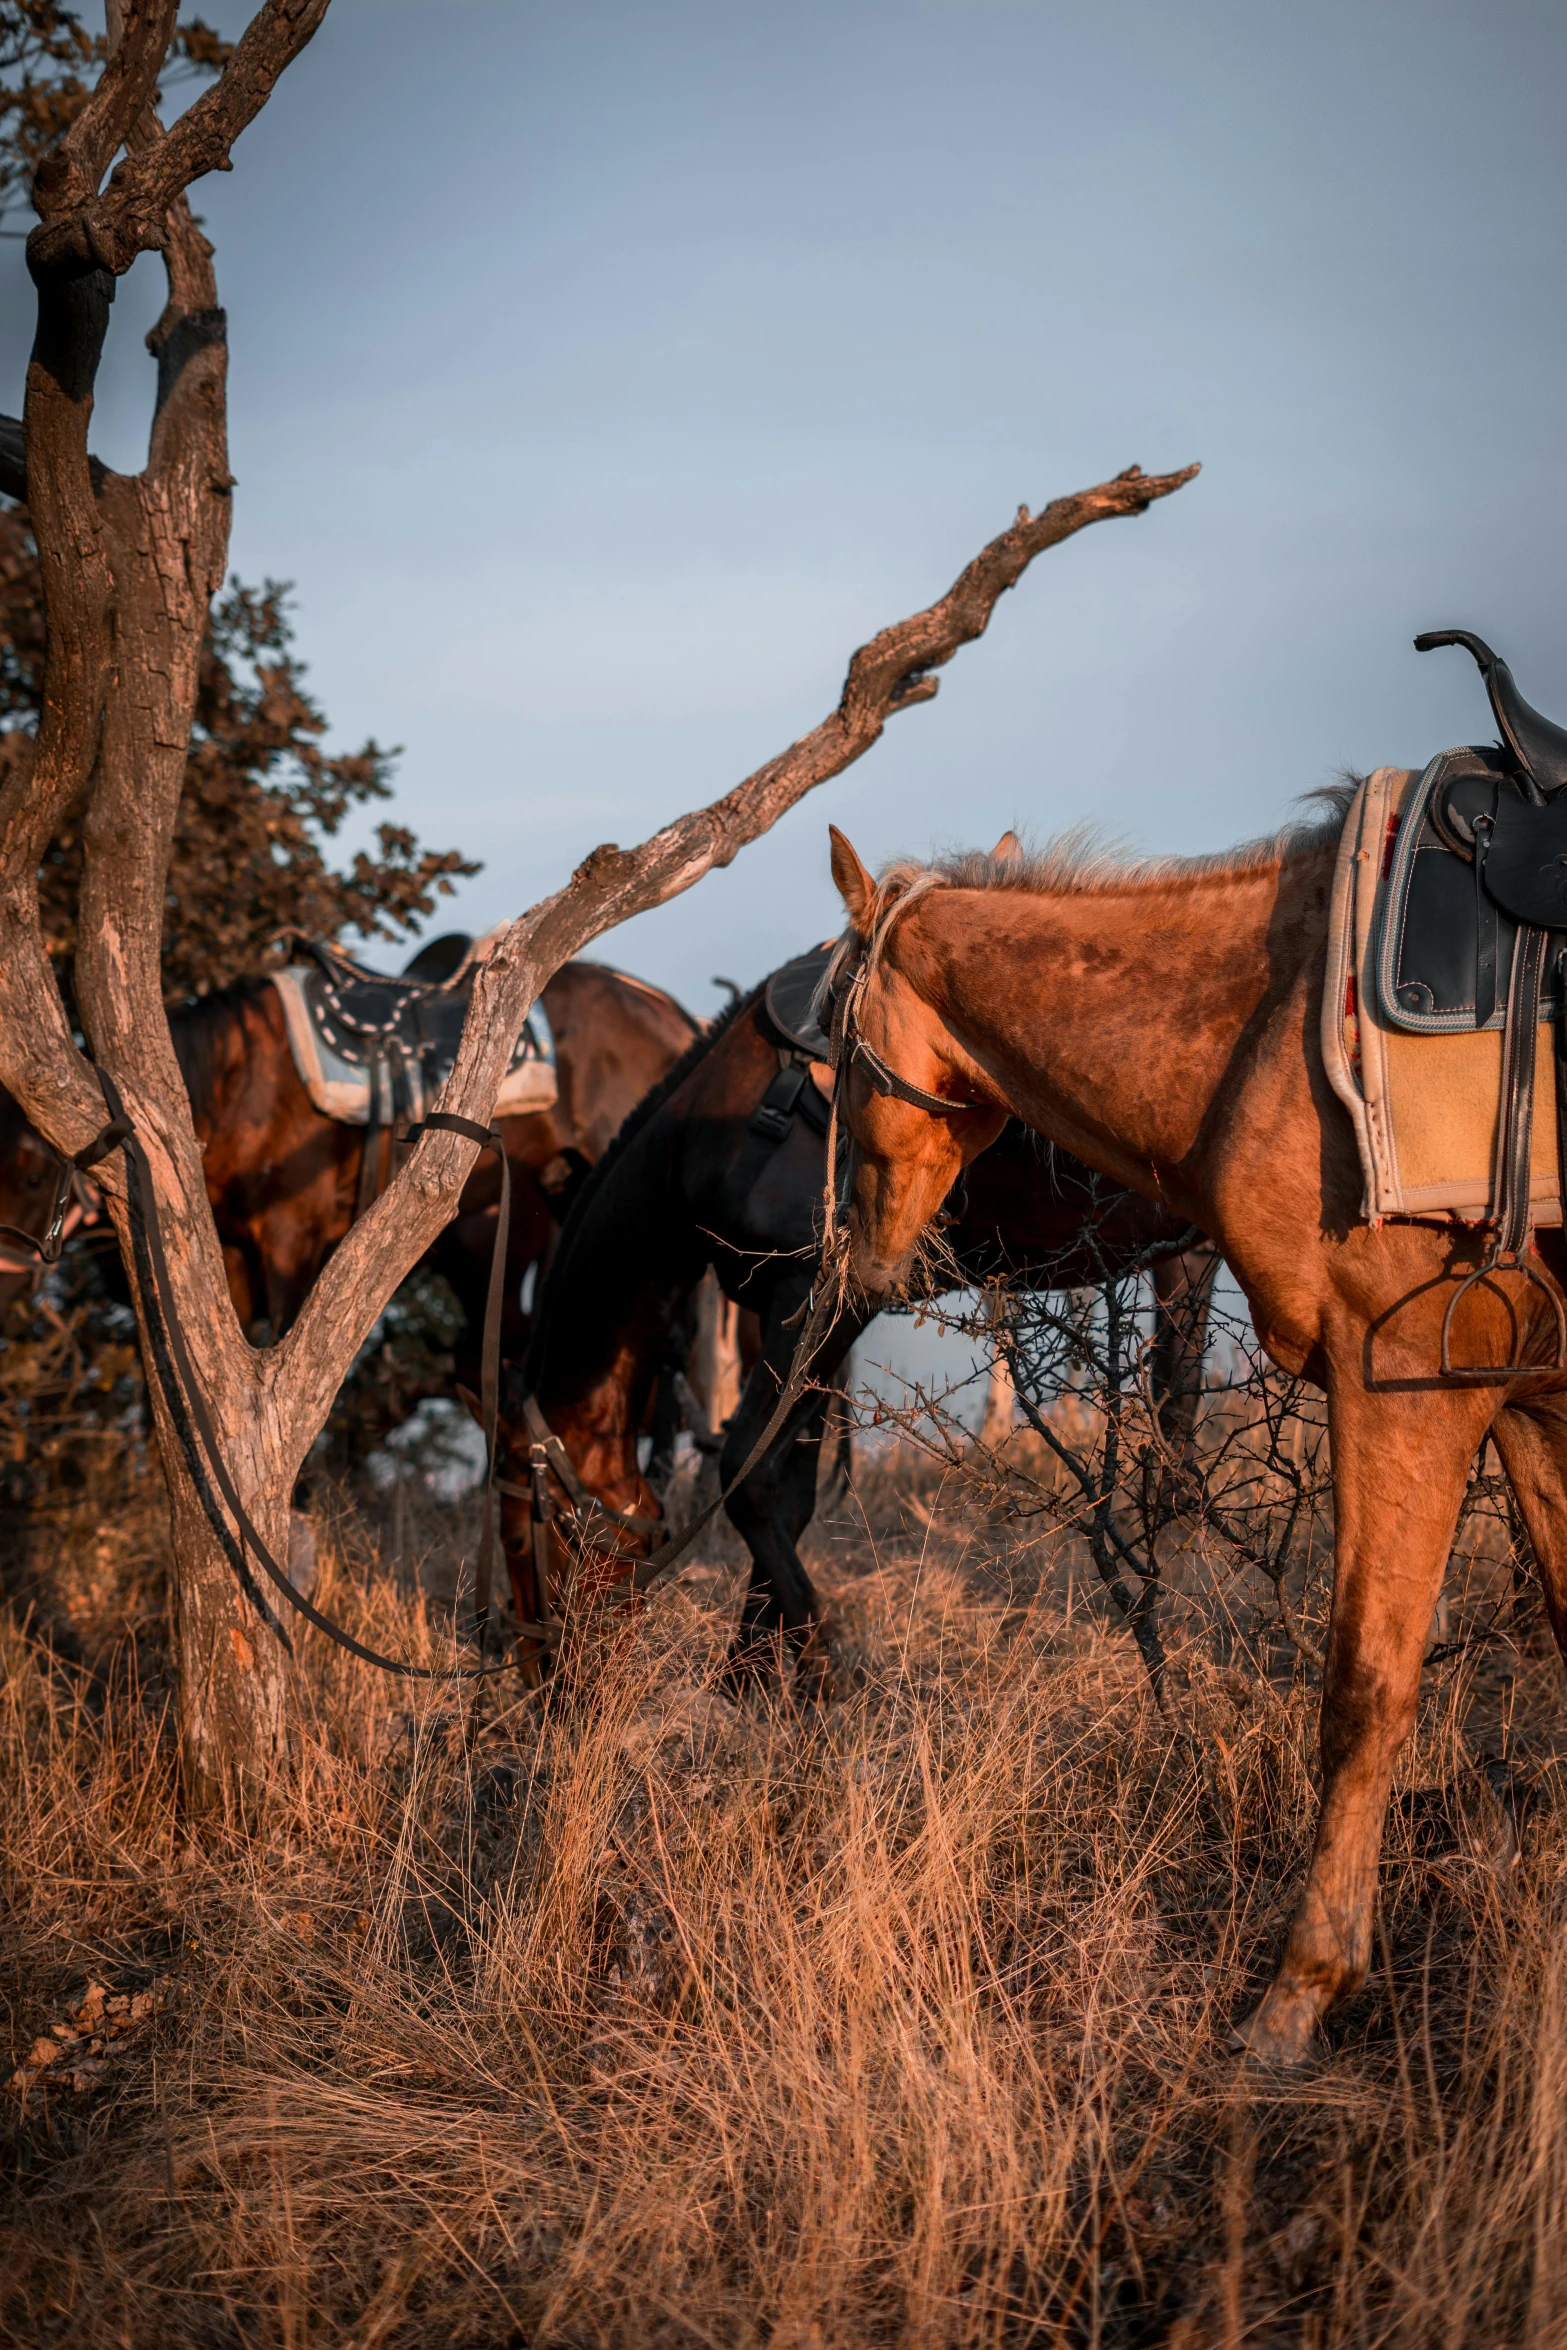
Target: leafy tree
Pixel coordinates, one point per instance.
(261, 800)
(261, 795)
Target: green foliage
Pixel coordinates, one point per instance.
(261, 801)
(261, 795)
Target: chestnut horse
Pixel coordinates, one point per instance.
(685, 1186)
(1182, 1057)
(283, 1180)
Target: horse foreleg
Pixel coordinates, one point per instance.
(1183, 1293)
(775, 1504)
(1400, 1464)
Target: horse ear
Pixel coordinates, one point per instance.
(855, 885)
(467, 1397)
(1006, 848)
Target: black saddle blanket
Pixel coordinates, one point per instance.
(375, 1049)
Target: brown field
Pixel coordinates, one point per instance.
(662, 2020)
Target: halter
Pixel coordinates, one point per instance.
(849, 1046)
(49, 1246)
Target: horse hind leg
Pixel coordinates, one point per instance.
(1400, 1463)
(1532, 1441)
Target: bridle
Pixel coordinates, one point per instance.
(844, 988)
(50, 1246)
(546, 1456)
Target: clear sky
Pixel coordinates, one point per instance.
(603, 374)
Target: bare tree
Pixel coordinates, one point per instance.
(129, 566)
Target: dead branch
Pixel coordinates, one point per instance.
(85, 231)
(891, 673)
(82, 230)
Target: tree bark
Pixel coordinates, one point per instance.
(129, 566)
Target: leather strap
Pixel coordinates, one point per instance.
(192, 1420)
(1486, 927)
(888, 1081)
(790, 1095)
(557, 1458)
(51, 1246)
(1510, 1181)
(489, 1138)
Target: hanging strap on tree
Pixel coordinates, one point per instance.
(191, 1417)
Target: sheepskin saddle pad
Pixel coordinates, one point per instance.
(1440, 875)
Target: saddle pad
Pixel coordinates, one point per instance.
(790, 996)
(399, 1038)
(1423, 1102)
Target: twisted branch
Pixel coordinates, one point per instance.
(612, 884)
(82, 230)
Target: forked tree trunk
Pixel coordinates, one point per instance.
(129, 566)
(233, 1695)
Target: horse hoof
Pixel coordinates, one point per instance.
(1277, 2037)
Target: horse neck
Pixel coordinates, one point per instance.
(1112, 1017)
(225, 1046)
(628, 1258)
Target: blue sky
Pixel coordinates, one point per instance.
(603, 375)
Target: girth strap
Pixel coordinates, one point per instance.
(792, 1094)
(1510, 1181)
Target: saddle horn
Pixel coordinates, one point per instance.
(1538, 746)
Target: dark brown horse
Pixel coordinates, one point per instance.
(687, 1183)
(283, 1180)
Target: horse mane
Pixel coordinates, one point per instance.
(1081, 863)
(634, 1123)
(198, 1025)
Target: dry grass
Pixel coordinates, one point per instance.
(663, 2020)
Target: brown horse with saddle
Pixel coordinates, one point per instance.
(1236, 1038)
(304, 1082)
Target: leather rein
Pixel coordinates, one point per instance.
(191, 1418)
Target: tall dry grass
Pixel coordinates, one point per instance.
(666, 2019)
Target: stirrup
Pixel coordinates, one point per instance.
(1503, 1260)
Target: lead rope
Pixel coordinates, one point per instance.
(823, 1313)
(192, 1420)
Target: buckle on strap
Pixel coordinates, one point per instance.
(774, 1113)
(547, 1449)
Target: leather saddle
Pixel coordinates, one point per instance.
(789, 1000)
(374, 1049)
(784, 1014)
(1473, 928)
